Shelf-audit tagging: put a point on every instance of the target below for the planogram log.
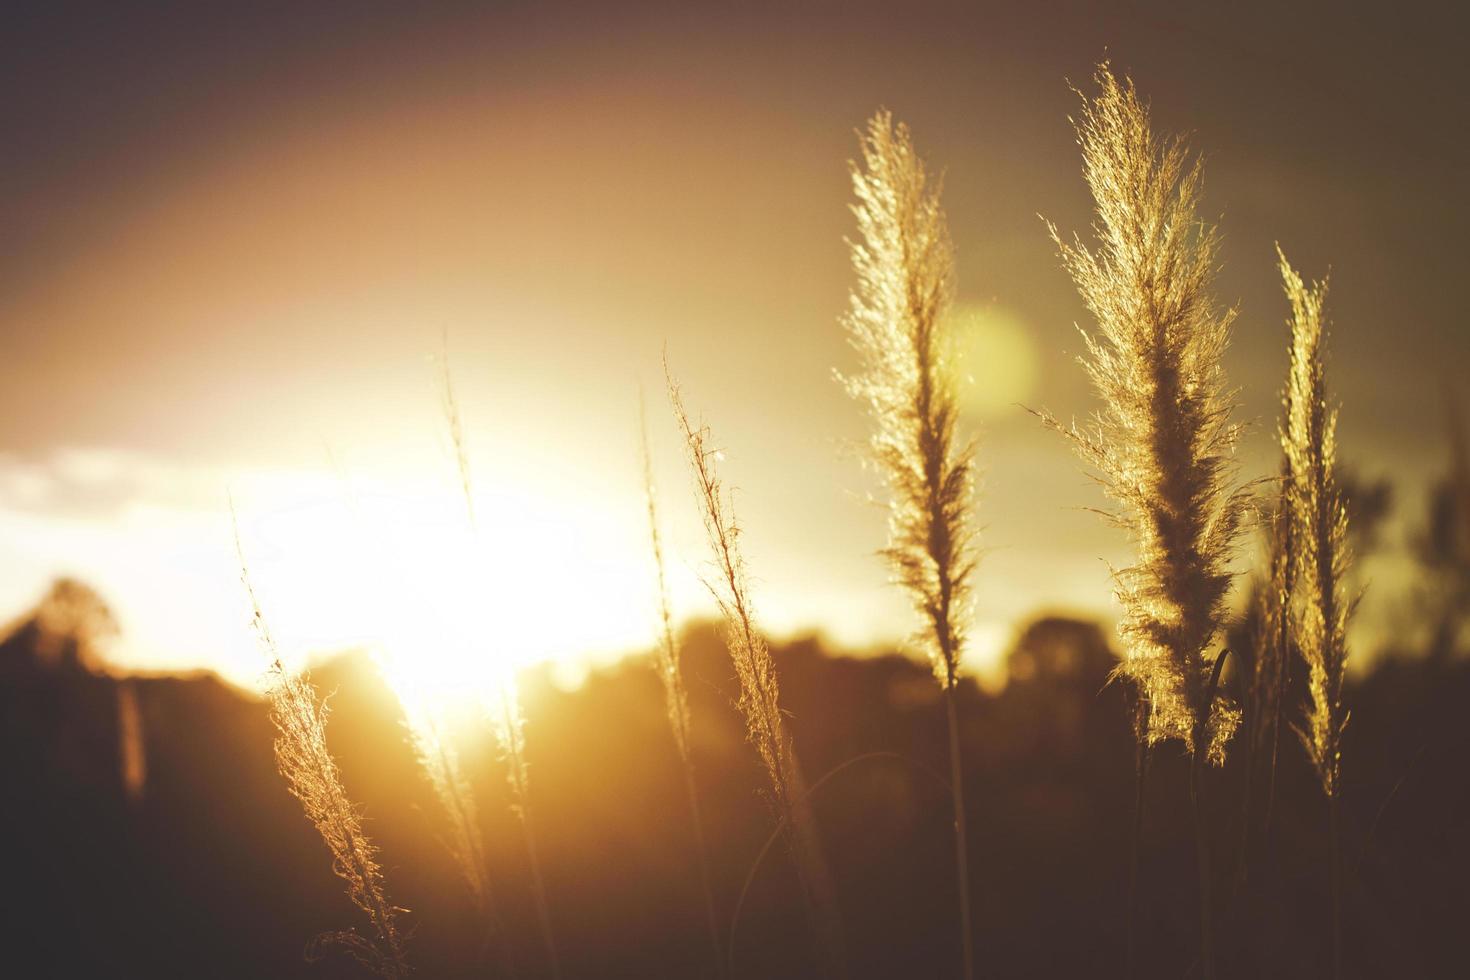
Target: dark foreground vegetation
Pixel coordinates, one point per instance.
(202, 865)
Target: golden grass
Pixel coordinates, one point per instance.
(1319, 527)
(1163, 440)
(503, 703)
(897, 324)
(1321, 555)
(300, 716)
(1162, 445)
(760, 700)
(676, 698)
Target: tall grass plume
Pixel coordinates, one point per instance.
(501, 694)
(299, 714)
(760, 700)
(897, 324)
(1320, 526)
(1163, 441)
(430, 737)
(670, 672)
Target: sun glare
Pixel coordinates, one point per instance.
(449, 612)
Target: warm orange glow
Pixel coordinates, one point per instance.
(450, 613)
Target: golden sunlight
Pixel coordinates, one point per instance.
(379, 602)
(449, 612)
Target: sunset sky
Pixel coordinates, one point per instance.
(235, 241)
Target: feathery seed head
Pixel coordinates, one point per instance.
(1164, 439)
(756, 670)
(727, 583)
(300, 716)
(1320, 526)
(667, 653)
(896, 322)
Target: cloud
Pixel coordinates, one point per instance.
(102, 484)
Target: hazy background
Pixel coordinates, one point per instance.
(235, 238)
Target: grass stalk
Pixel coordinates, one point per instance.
(1202, 859)
(1335, 857)
(1320, 521)
(1164, 440)
(1140, 779)
(300, 716)
(455, 795)
(676, 697)
(760, 701)
(898, 323)
(1270, 668)
(502, 701)
(538, 887)
(962, 858)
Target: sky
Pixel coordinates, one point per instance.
(240, 239)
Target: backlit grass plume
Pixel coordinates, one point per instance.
(1163, 440)
(1322, 557)
(300, 717)
(896, 322)
(425, 718)
(500, 694)
(905, 271)
(760, 700)
(425, 701)
(440, 761)
(676, 698)
(1319, 522)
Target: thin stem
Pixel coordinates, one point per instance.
(1202, 853)
(704, 878)
(1282, 676)
(1335, 858)
(1201, 836)
(521, 790)
(468, 831)
(670, 673)
(1141, 775)
(961, 849)
(780, 828)
(538, 891)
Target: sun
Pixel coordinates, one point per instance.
(450, 611)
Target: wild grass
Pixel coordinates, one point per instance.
(501, 697)
(434, 748)
(1320, 526)
(760, 700)
(1274, 645)
(676, 698)
(300, 716)
(896, 322)
(440, 761)
(1161, 445)
(1163, 440)
(1272, 639)
(1322, 557)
